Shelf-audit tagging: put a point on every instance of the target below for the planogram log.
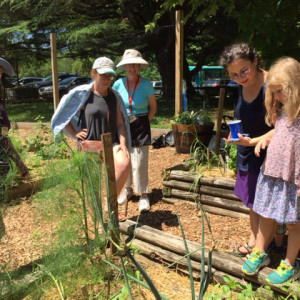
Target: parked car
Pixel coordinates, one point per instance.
(48, 80)
(232, 89)
(64, 86)
(158, 87)
(26, 80)
(212, 86)
(232, 84)
(216, 82)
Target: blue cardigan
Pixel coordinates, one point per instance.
(68, 110)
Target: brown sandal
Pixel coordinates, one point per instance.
(238, 252)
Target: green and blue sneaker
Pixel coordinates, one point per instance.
(255, 262)
(283, 273)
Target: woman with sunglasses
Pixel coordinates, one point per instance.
(242, 64)
(90, 110)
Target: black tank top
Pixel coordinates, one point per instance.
(252, 116)
(99, 116)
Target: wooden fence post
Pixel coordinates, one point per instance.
(178, 60)
(112, 187)
(219, 120)
(54, 70)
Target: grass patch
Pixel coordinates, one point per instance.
(29, 112)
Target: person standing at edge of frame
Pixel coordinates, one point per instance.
(139, 97)
(6, 146)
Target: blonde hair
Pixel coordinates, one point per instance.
(284, 73)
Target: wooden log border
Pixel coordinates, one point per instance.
(165, 246)
(214, 194)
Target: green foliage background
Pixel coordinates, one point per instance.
(86, 30)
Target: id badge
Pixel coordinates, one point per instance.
(132, 118)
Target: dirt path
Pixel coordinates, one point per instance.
(21, 227)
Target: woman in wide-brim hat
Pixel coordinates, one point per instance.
(139, 98)
(132, 56)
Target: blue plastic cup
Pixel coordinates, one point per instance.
(235, 128)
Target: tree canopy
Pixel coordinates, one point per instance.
(87, 29)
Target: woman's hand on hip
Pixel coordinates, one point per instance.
(81, 134)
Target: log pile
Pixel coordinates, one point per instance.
(214, 194)
(169, 248)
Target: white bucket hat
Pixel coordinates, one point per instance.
(104, 65)
(132, 56)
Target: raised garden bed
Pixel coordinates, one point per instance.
(161, 221)
(171, 249)
(215, 194)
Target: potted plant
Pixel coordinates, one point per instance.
(190, 126)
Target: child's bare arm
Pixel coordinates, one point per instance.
(246, 141)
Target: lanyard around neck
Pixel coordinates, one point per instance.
(130, 97)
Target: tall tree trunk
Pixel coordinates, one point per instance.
(163, 44)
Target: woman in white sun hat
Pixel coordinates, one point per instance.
(139, 98)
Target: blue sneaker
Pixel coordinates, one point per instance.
(283, 273)
(255, 262)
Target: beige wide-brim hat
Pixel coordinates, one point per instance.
(132, 56)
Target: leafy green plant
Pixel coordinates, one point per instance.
(232, 289)
(8, 168)
(201, 117)
(42, 143)
(231, 150)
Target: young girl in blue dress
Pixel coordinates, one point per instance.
(278, 187)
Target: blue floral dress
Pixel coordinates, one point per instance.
(279, 179)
